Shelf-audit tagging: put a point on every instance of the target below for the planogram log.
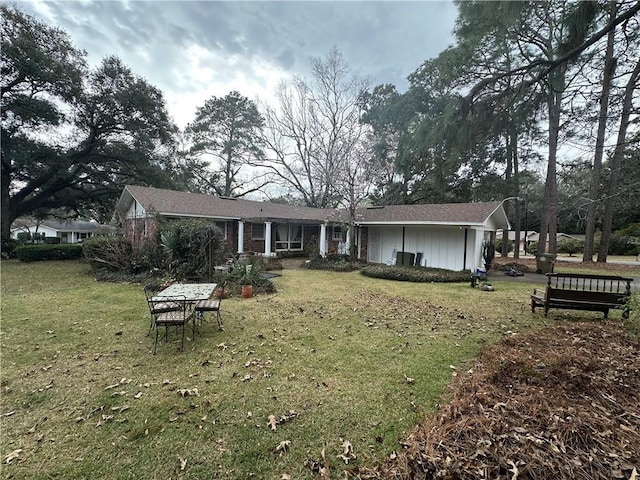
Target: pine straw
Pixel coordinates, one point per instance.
(561, 403)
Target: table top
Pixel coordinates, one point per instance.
(191, 291)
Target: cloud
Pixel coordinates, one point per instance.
(194, 49)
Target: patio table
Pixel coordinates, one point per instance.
(192, 292)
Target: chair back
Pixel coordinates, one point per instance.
(176, 303)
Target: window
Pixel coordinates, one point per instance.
(338, 233)
(222, 226)
(289, 237)
(257, 231)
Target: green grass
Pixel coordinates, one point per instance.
(83, 397)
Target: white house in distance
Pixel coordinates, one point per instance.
(68, 231)
(448, 236)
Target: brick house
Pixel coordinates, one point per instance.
(445, 236)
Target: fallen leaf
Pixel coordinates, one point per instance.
(347, 452)
(283, 446)
(137, 395)
(272, 422)
(409, 380)
(188, 392)
(183, 463)
(12, 456)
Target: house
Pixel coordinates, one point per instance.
(68, 231)
(525, 238)
(446, 236)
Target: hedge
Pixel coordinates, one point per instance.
(34, 253)
(415, 274)
(335, 263)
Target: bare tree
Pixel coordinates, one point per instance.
(313, 130)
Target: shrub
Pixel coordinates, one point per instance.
(194, 247)
(570, 246)
(335, 263)
(8, 246)
(633, 322)
(415, 274)
(113, 254)
(624, 244)
(62, 251)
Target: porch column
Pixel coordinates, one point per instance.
(240, 236)
(267, 239)
(347, 239)
(323, 240)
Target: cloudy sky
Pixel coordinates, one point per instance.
(193, 50)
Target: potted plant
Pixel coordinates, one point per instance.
(247, 275)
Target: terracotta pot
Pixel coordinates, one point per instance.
(247, 291)
(220, 293)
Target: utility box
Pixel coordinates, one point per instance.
(545, 263)
(405, 258)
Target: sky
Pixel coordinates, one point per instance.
(194, 50)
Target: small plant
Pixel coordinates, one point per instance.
(250, 272)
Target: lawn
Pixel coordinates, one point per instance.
(332, 360)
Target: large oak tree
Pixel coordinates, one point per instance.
(71, 137)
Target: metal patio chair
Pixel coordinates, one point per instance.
(210, 305)
(178, 316)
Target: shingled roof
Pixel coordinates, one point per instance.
(184, 204)
(441, 214)
(175, 203)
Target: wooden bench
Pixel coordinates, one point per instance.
(596, 293)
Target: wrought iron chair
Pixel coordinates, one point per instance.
(178, 316)
(157, 307)
(210, 305)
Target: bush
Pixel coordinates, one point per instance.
(416, 274)
(334, 263)
(8, 246)
(113, 254)
(633, 322)
(570, 246)
(62, 251)
(624, 244)
(194, 247)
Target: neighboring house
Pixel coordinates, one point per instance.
(68, 231)
(530, 237)
(446, 236)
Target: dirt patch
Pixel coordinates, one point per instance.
(559, 403)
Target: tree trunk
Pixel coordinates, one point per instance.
(507, 177)
(596, 174)
(549, 223)
(516, 178)
(616, 163)
(6, 217)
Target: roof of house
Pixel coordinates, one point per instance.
(61, 225)
(441, 214)
(175, 203)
